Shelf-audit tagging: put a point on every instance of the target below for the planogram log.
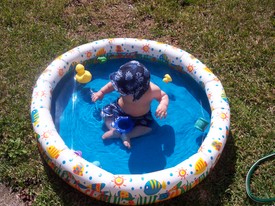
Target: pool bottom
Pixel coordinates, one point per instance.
(172, 140)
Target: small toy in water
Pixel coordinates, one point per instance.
(102, 59)
(82, 76)
(201, 124)
(167, 78)
(96, 163)
(78, 153)
(123, 124)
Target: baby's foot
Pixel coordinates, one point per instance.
(127, 144)
(126, 141)
(110, 134)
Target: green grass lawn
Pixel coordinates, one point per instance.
(235, 38)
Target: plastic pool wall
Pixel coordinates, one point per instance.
(129, 189)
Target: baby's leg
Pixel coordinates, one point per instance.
(111, 133)
(108, 122)
(136, 132)
(139, 131)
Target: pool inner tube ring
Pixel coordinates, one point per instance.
(123, 124)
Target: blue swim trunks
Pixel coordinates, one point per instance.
(115, 111)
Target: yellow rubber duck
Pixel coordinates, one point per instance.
(167, 78)
(82, 76)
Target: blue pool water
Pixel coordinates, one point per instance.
(173, 139)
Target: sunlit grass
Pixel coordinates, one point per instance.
(234, 38)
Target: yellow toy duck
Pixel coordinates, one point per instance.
(82, 76)
(167, 78)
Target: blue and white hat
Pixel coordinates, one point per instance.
(132, 78)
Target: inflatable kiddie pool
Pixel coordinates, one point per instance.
(129, 189)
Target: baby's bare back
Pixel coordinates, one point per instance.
(136, 108)
(142, 106)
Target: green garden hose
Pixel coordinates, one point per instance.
(248, 178)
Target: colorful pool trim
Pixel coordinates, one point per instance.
(127, 189)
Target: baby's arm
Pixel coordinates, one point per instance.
(162, 97)
(104, 90)
(161, 111)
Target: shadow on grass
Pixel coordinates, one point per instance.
(209, 192)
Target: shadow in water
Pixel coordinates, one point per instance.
(148, 152)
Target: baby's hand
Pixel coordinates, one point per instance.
(161, 111)
(97, 95)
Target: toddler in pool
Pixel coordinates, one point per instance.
(132, 81)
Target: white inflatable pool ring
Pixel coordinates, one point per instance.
(127, 189)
